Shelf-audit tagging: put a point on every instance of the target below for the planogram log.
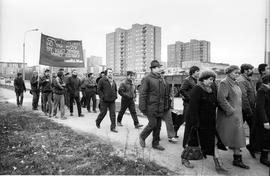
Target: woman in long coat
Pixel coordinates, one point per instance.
(201, 115)
(229, 115)
(261, 129)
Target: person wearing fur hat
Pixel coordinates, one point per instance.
(230, 126)
(201, 117)
(261, 128)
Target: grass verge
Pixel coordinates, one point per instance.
(30, 144)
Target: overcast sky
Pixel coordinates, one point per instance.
(235, 28)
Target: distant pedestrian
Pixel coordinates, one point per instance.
(201, 116)
(83, 99)
(107, 91)
(153, 103)
(229, 120)
(45, 83)
(67, 98)
(58, 93)
(186, 87)
(35, 90)
(90, 92)
(263, 70)
(261, 128)
(127, 90)
(101, 75)
(73, 84)
(19, 89)
(248, 100)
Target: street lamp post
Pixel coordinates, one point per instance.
(24, 50)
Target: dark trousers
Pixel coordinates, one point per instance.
(77, 99)
(47, 102)
(249, 120)
(83, 99)
(19, 98)
(128, 103)
(103, 111)
(91, 96)
(67, 99)
(35, 99)
(154, 126)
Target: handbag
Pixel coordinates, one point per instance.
(192, 152)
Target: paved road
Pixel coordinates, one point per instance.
(126, 143)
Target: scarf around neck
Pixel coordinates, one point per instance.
(204, 87)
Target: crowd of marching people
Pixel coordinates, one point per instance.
(214, 110)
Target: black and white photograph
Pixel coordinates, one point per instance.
(135, 87)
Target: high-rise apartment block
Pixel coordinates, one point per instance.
(133, 49)
(195, 50)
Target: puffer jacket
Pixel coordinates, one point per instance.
(154, 95)
(127, 89)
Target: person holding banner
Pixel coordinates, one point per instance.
(45, 83)
(73, 85)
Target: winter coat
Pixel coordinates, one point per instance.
(19, 85)
(58, 86)
(127, 89)
(73, 85)
(46, 84)
(154, 98)
(186, 88)
(90, 85)
(202, 115)
(248, 94)
(106, 91)
(34, 83)
(260, 135)
(229, 114)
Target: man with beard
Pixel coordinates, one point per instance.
(19, 88)
(248, 100)
(107, 92)
(35, 90)
(73, 85)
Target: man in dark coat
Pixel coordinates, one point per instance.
(19, 89)
(248, 100)
(187, 85)
(90, 92)
(127, 90)
(153, 103)
(35, 90)
(261, 128)
(263, 70)
(73, 85)
(107, 92)
(45, 83)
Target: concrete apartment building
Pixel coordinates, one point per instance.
(195, 50)
(133, 49)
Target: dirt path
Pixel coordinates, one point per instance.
(126, 143)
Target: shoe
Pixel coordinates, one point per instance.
(97, 125)
(114, 130)
(187, 164)
(142, 142)
(219, 168)
(50, 115)
(71, 114)
(237, 161)
(95, 111)
(158, 147)
(138, 126)
(89, 111)
(119, 124)
(34, 109)
(221, 146)
(176, 136)
(264, 158)
(63, 118)
(46, 114)
(172, 140)
(251, 151)
(81, 115)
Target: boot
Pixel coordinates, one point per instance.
(264, 158)
(219, 168)
(237, 161)
(187, 164)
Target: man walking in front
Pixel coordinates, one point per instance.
(107, 92)
(153, 102)
(19, 89)
(128, 92)
(35, 90)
